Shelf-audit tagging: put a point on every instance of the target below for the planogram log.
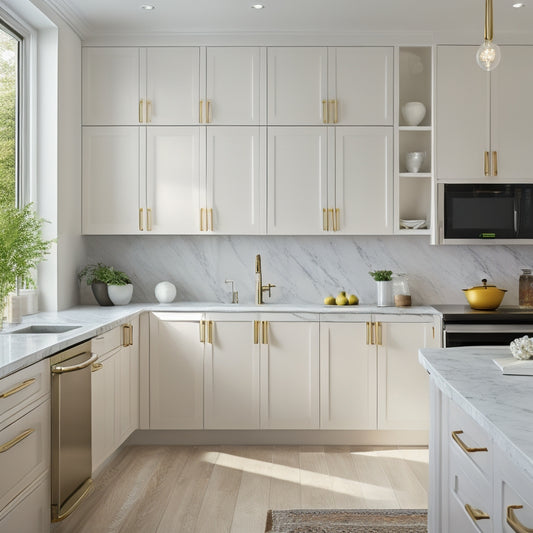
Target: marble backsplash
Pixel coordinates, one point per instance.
(305, 269)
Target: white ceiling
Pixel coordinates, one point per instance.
(122, 17)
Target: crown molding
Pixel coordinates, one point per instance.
(72, 17)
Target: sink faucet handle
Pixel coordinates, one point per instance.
(234, 293)
(268, 288)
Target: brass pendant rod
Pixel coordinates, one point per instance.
(489, 32)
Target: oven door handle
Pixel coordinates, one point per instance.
(488, 328)
(63, 369)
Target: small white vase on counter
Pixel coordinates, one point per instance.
(120, 294)
(414, 160)
(413, 113)
(384, 294)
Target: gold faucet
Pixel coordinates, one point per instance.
(259, 287)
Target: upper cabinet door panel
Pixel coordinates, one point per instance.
(233, 79)
(111, 92)
(173, 179)
(173, 85)
(297, 180)
(297, 85)
(512, 113)
(364, 179)
(463, 114)
(361, 85)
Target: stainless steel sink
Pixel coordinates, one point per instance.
(45, 328)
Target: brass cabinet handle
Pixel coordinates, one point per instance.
(141, 110)
(202, 331)
(324, 111)
(131, 334)
(332, 227)
(210, 332)
(208, 112)
(149, 219)
(15, 441)
(463, 446)
(256, 331)
(514, 523)
(18, 388)
(337, 219)
(141, 227)
(125, 335)
(325, 219)
(96, 367)
(486, 164)
(368, 333)
(494, 163)
(335, 111)
(372, 333)
(476, 514)
(210, 221)
(201, 111)
(148, 111)
(264, 337)
(379, 333)
(201, 219)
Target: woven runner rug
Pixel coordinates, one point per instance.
(347, 521)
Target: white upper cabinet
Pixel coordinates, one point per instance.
(463, 114)
(319, 85)
(130, 86)
(236, 182)
(297, 85)
(297, 180)
(234, 77)
(484, 119)
(111, 86)
(172, 85)
(172, 180)
(360, 85)
(363, 180)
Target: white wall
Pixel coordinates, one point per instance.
(306, 269)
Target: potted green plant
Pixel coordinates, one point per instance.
(109, 286)
(22, 248)
(383, 279)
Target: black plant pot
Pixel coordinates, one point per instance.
(100, 293)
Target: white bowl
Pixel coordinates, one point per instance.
(120, 294)
(413, 113)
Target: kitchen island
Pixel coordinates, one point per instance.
(481, 442)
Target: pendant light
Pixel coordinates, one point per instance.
(488, 54)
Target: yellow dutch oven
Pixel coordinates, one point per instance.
(484, 296)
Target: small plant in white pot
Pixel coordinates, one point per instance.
(109, 286)
(383, 279)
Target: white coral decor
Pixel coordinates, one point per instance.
(522, 348)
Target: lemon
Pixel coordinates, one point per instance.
(329, 300)
(353, 300)
(341, 300)
(342, 293)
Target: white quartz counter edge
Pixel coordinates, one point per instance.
(18, 351)
(499, 404)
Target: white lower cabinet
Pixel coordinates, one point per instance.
(348, 379)
(289, 373)
(176, 371)
(114, 390)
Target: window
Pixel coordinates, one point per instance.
(10, 46)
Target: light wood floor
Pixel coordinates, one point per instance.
(204, 489)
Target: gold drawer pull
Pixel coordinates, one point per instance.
(368, 332)
(476, 514)
(463, 446)
(486, 164)
(494, 163)
(141, 110)
(256, 331)
(201, 111)
(149, 219)
(335, 111)
(202, 331)
(15, 441)
(324, 111)
(325, 219)
(202, 219)
(337, 219)
(515, 524)
(210, 221)
(96, 367)
(18, 388)
(148, 111)
(208, 112)
(379, 333)
(264, 339)
(210, 332)
(141, 228)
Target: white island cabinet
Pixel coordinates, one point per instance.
(481, 453)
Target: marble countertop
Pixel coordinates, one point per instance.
(18, 351)
(501, 404)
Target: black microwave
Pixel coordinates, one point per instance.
(488, 211)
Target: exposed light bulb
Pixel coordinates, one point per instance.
(258, 6)
(488, 55)
(148, 7)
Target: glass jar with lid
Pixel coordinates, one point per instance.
(400, 284)
(525, 289)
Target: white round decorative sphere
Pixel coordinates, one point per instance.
(165, 292)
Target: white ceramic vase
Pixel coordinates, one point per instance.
(120, 294)
(165, 292)
(414, 160)
(384, 294)
(413, 113)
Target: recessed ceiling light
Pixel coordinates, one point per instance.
(148, 7)
(519, 4)
(258, 6)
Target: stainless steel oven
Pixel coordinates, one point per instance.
(463, 326)
(71, 428)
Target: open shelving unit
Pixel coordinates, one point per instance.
(413, 190)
